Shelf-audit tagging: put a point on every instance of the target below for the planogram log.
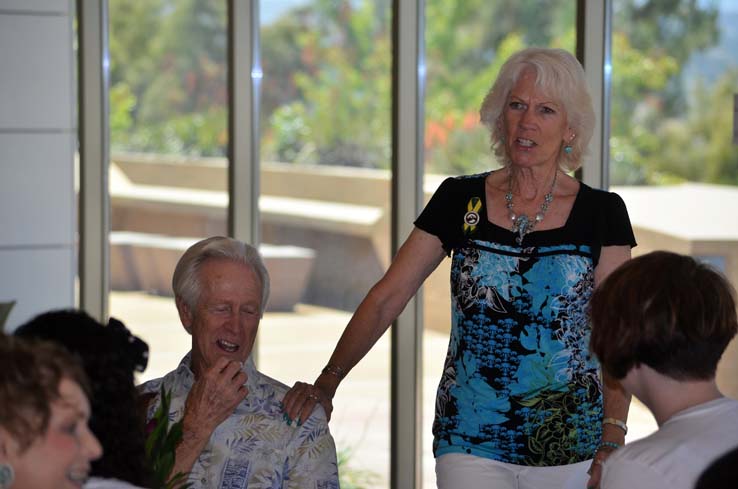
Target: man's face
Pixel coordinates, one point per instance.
(226, 317)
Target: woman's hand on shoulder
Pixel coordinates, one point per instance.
(300, 401)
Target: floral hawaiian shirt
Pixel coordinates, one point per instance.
(254, 448)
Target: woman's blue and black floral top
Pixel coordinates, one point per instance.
(519, 384)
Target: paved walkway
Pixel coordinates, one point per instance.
(295, 346)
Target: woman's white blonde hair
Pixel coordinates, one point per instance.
(559, 75)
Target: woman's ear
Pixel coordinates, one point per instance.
(9, 446)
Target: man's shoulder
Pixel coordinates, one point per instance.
(271, 382)
(271, 387)
(153, 386)
(150, 386)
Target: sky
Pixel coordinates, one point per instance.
(272, 9)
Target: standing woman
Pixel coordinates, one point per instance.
(520, 402)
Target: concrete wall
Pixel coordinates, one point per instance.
(37, 143)
(343, 214)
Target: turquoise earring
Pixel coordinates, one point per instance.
(568, 149)
(6, 476)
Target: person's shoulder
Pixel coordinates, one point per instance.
(622, 471)
(599, 200)
(151, 386)
(655, 455)
(470, 177)
(460, 182)
(270, 385)
(466, 181)
(598, 193)
(646, 450)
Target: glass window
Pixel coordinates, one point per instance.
(672, 154)
(168, 169)
(325, 205)
(466, 42)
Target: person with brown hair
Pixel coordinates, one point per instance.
(45, 442)
(110, 356)
(660, 324)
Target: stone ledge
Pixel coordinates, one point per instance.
(141, 261)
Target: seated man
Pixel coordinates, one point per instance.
(660, 323)
(234, 434)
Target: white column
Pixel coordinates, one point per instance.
(37, 141)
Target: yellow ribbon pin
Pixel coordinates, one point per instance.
(471, 218)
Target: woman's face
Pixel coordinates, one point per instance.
(59, 458)
(535, 125)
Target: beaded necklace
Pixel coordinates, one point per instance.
(522, 224)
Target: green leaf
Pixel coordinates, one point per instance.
(161, 445)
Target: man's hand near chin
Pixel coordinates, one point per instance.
(213, 397)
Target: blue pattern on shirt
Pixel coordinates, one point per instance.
(519, 384)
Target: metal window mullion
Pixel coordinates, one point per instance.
(593, 49)
(244, 76)
(94, 210)
(407, 195)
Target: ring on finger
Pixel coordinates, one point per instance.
(313, 396)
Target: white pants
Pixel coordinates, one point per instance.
(462, 471)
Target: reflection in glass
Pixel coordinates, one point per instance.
(466, 42)
(168, 171)
(672, 157)
(325, 205)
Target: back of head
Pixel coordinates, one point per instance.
(185, 281)
(110, 355)
(664, 310)
(29, 382)
(559, 75)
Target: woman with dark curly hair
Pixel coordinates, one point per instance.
(110, 355)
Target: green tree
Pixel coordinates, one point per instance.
(326, 91)
(700, 147)
(652, 42)
(467, 41)
(340, 114)
(168, 71)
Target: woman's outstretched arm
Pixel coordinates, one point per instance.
(417, 258)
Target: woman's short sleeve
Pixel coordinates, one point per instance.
(439, 213)
(615, 228)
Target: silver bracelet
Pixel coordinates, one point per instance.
(616, 422)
